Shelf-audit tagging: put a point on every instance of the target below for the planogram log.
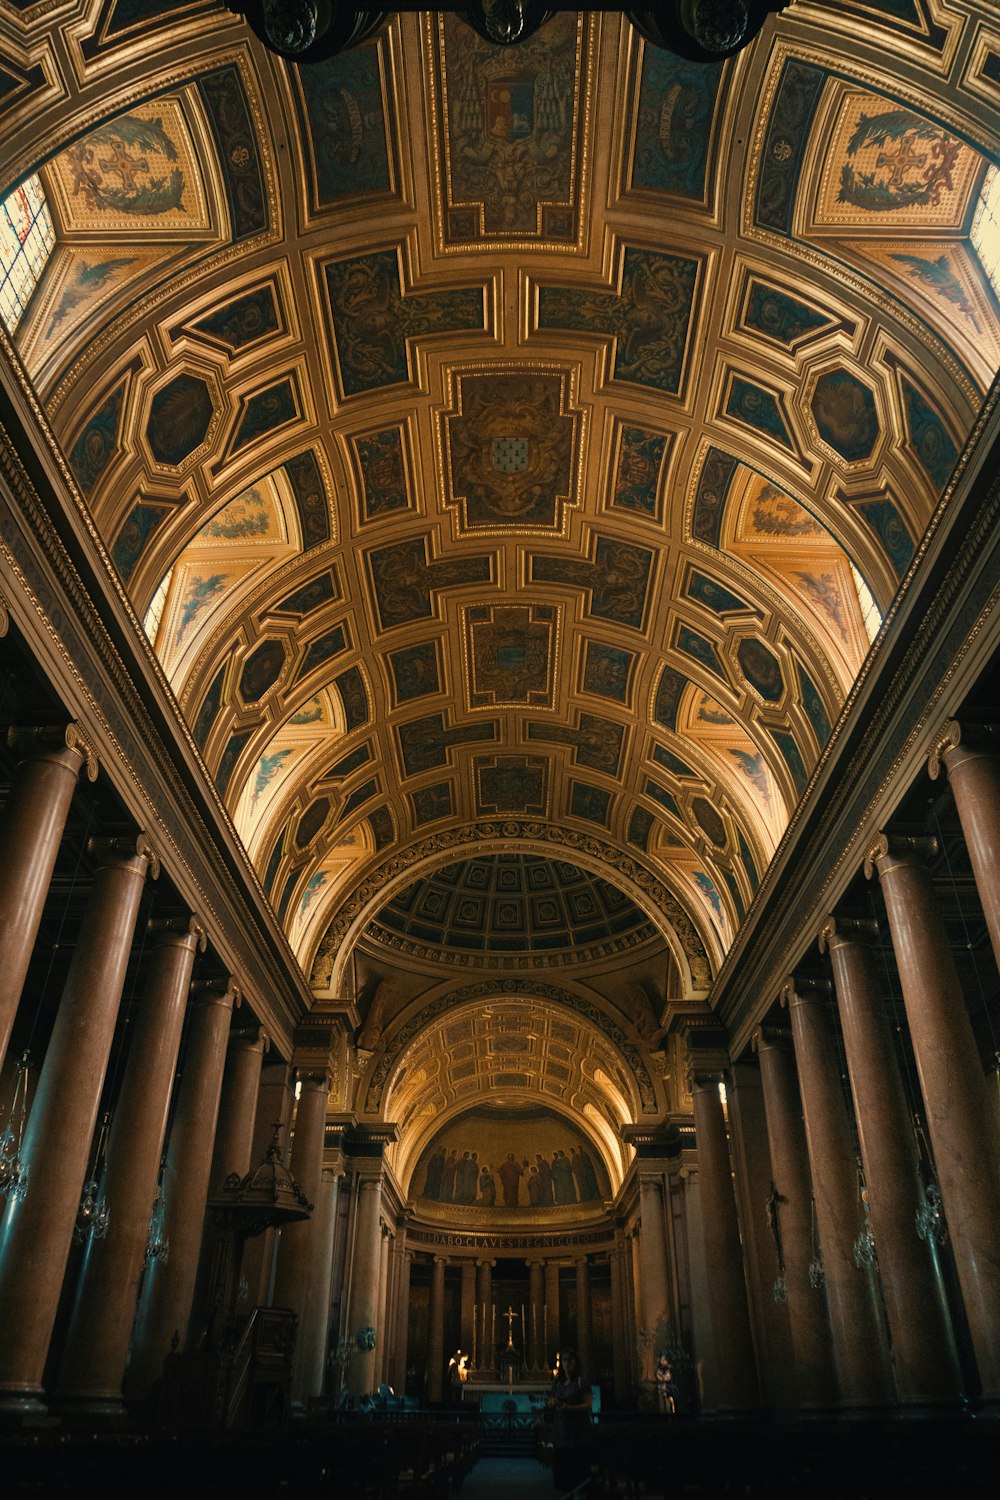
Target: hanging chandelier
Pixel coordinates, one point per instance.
(313, 30)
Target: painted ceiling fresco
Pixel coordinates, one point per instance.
(510, 452)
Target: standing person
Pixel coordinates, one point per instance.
(570, 1400)
(666, 1389)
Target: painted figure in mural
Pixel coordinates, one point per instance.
(447, 1192)
(562, 1178)
(586, 1178)
(536, 1189)
(370, 1035)
(467, 1178)
(432, 1182)
(510, 1173)
(643, 1015)
(487, 1188)
(545, 1174)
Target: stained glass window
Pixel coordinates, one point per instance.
(26, 242)
(985, 233)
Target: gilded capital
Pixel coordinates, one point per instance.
(836, 930)
(126, 847)
(182, 927)
(899, 847)
(949, 737)
(29, 740)
(769, 1036)
(795, 991)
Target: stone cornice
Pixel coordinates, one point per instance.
(936, 638)
(69, 605)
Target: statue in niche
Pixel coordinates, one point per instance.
(639, 1009)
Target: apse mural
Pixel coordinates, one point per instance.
(497, 1161)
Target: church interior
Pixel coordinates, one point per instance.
(398, 985)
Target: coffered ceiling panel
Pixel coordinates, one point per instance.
(510, 451)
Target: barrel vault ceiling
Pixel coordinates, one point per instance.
(510, 452)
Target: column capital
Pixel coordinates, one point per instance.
(765, 1037)
(948, 737)
(439, 1260)
(795, 991)
(165, 928)
(484, 1262)
(28, 741)
(972, 739)
(221, 990)
(254, 1036)
(838, 930)
(311, 1076)
(891, 849)
(123, 848)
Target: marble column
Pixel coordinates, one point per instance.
(364, 1309)
(791, 1220)
(305, 1165)
(752, 1178)
(296, 1245)
(37, 1229)
(536, 1314)
(621, 1320)
(484, 1301)
(973, 768)
(435, 1357)
(735, 1376)
(467, 1305)
(234, 1134)
(551, 1319)
(860, 1354)
(923, 1346)
(275, 1103)
(101, 1326)
(584, 1341)
(386, 1311)
(168, 1288)
(34, 818)
(401, 1340)
(315, 1328)
(654, 1280)
(960, 1123)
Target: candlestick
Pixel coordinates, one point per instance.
(475, 1320)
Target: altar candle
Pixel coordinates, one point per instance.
(523, 1330)
(475, 1320)
(493, 1330)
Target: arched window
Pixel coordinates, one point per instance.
(985, 232)
(26, 242)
